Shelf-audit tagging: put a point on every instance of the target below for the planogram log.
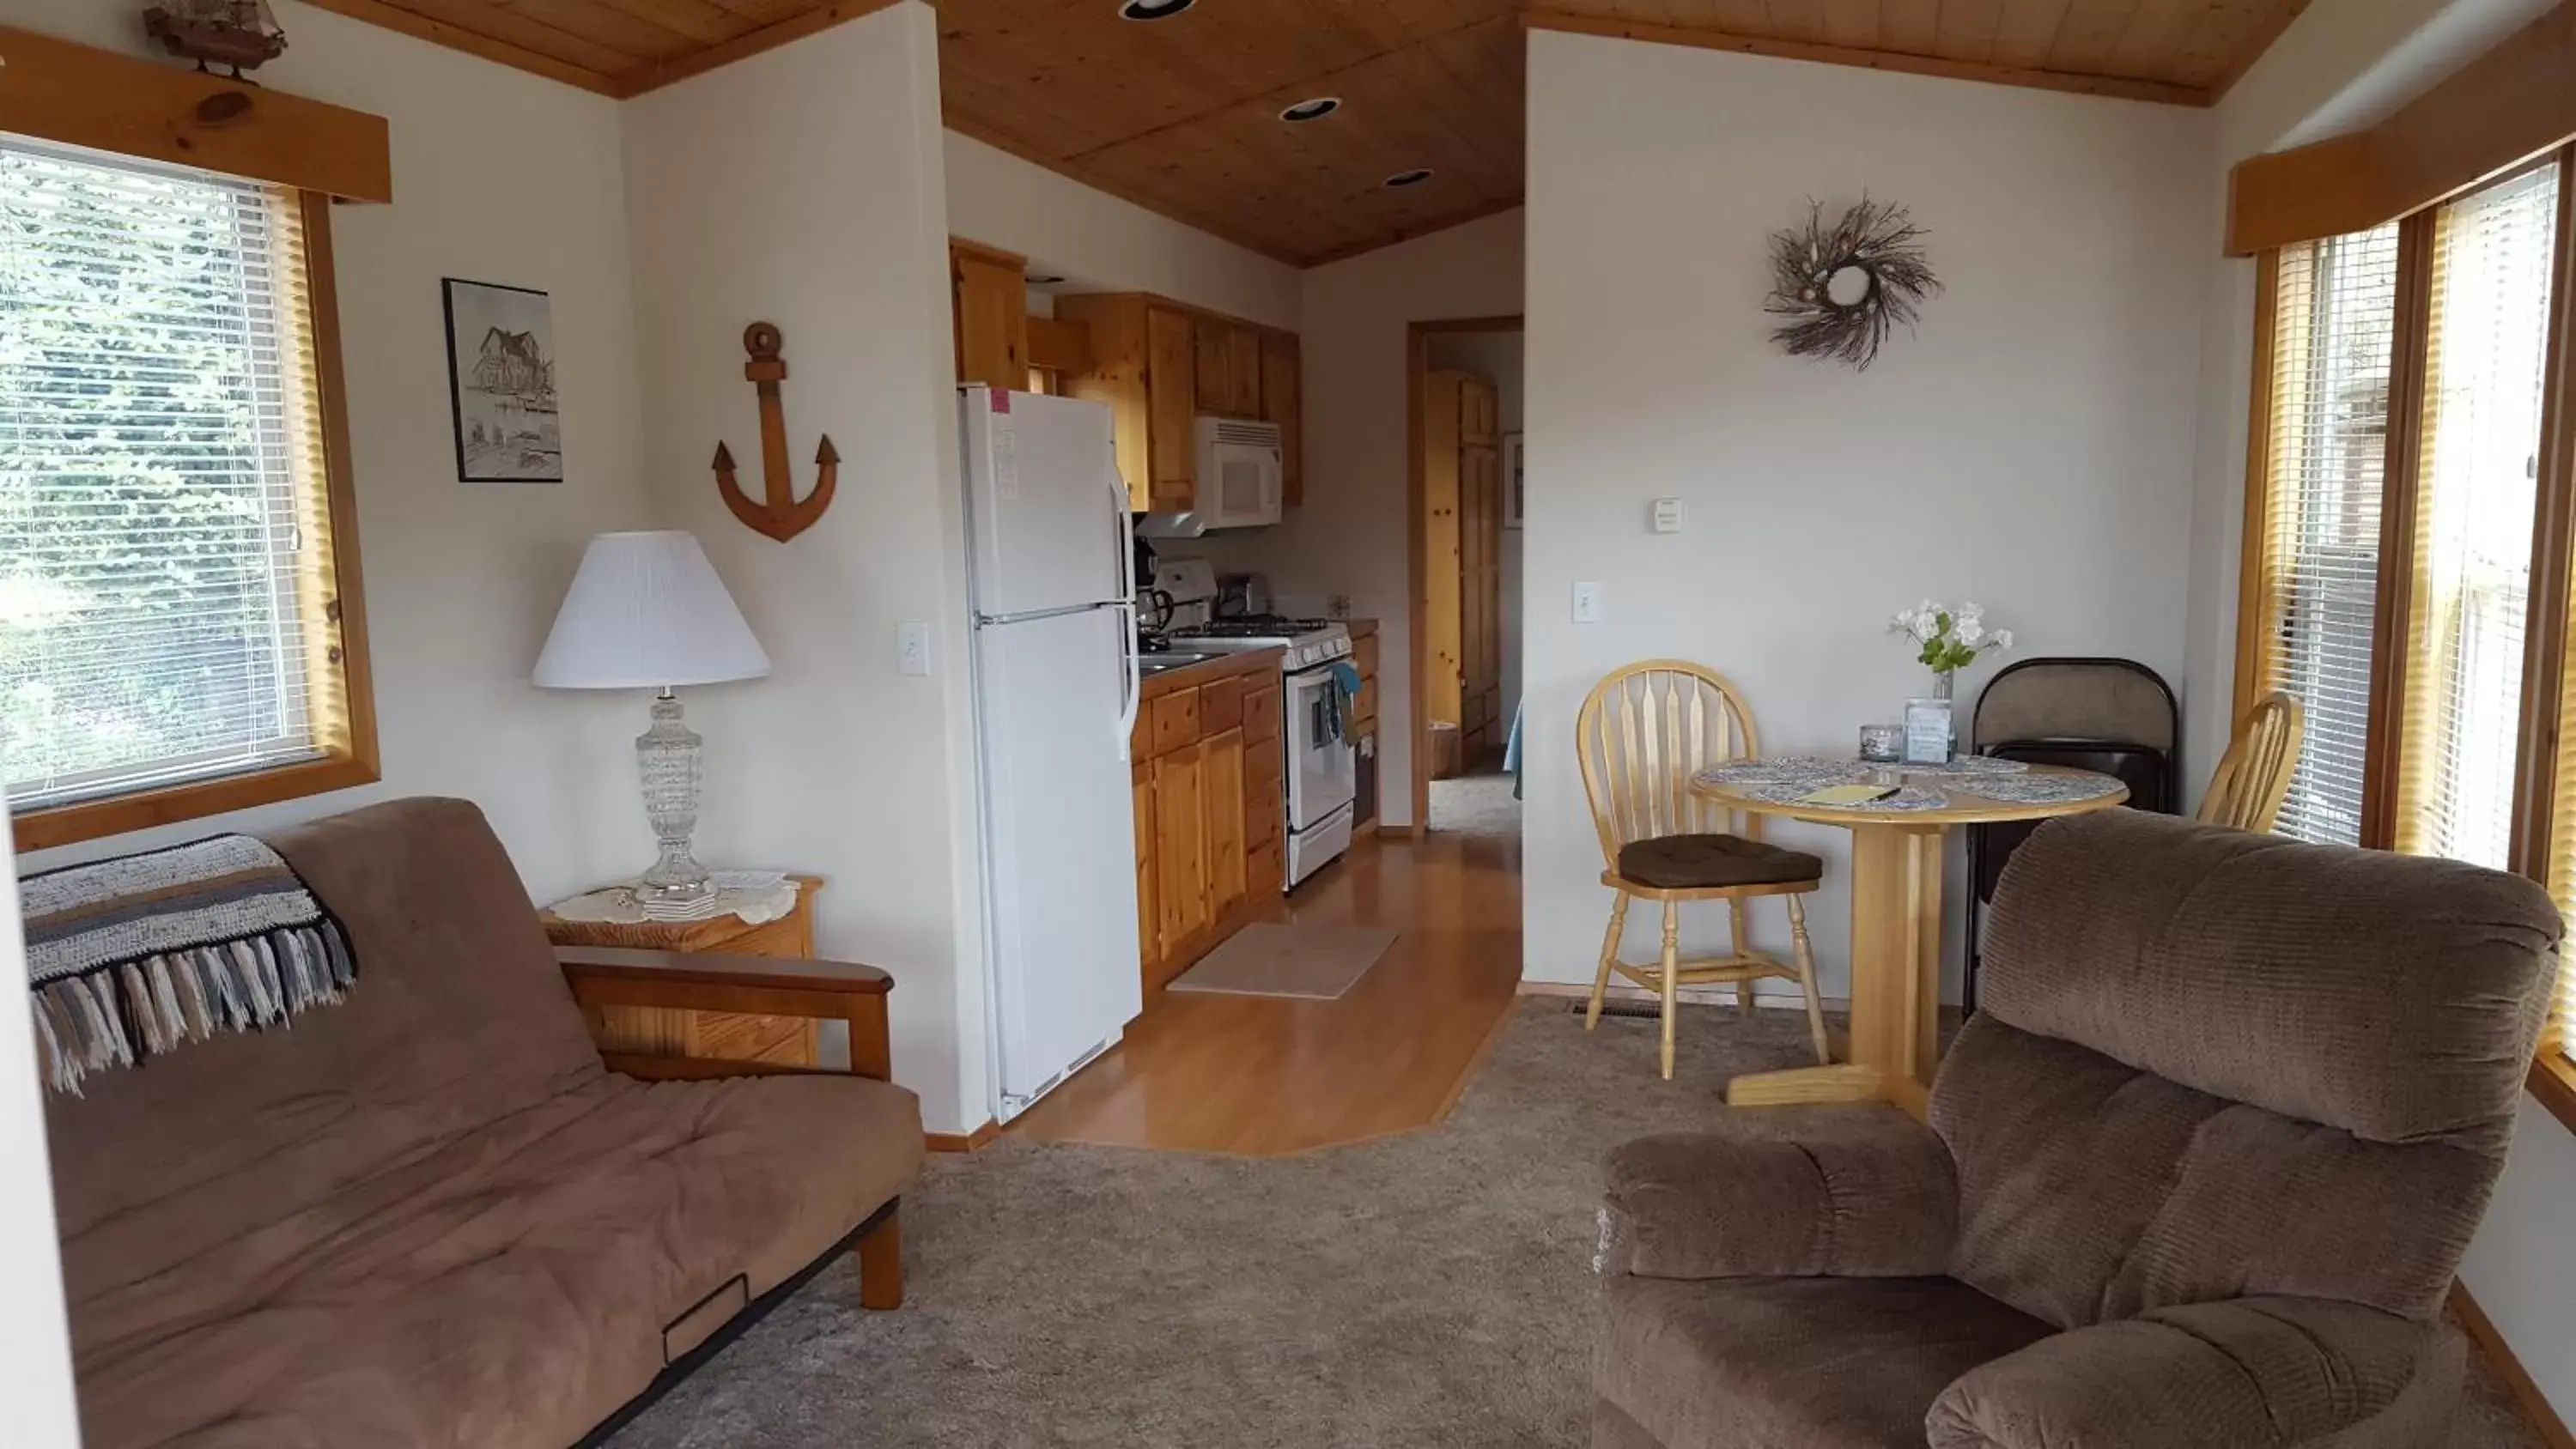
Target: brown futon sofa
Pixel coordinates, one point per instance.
(2197, 1175)
(430, 1215)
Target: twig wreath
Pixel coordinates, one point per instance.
(1844, 288)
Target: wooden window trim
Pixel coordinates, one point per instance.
(2509, 106)
(2401, 494)
(354, 763)
(2553, 1082)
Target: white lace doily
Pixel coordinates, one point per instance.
(757, 896)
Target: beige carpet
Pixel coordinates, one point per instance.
(1475, 805)
(1428, 1291)
(1267, 959)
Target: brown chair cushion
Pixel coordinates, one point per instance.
(1692, 862)
(1795, 1363)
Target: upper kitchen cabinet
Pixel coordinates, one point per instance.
(991, 314)
(1228, 370)
(1160, 366)
(1281, 403)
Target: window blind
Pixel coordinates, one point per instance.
(2486, 352)
(166, 591)
(2335, 311)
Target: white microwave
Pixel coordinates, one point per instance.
(1240, 480)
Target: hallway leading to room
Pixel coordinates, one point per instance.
(1261, 1075)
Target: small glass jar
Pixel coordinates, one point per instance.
(1882, 744)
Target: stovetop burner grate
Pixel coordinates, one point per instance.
(1259, 626)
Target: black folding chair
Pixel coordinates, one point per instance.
(2115, 716)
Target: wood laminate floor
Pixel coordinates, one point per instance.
(1264, 1076)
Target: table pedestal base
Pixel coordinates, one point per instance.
(1896, 981)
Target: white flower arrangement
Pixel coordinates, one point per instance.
(1948, 640)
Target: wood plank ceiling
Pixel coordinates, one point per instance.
(1181, 114)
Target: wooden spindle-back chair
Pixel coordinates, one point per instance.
(1643, 732)
(2254, 776)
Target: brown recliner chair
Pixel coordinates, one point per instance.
(2197, 1175)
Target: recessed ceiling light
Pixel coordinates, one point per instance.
(1042, 279)
(1414, 177)
(1152, 9)
(1314, 110)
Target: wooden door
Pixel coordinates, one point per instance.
(1441, 624)
(1480, 587)
(1282, 402)
(1180, 852)
(990, 293)
(1148, 922)
(1221, 782)
(1476, 410)
(1172, 406)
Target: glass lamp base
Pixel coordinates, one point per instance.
(666, 756)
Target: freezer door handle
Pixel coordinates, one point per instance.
(1126, 606)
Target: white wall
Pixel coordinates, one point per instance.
(1348, 539)
(803, 186)
(2029, 449)
(1100, 243)
(1497, 355)
(35, 1343)
(462, 579)
(2339, 67)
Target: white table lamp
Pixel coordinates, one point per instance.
(646, 611)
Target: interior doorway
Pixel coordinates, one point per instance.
(1465, 386)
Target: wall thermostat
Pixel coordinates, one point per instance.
(1668, 515)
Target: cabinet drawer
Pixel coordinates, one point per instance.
(1220, 706)
(1261, 711)
(1176, 720)
(790, 936)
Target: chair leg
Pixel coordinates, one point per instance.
(1672, 976)
(1743, 944)
(1807, 978)
(881, 1264)
(1609, 953)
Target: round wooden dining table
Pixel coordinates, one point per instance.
(1896, 915)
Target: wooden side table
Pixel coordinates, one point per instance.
(721, 1035)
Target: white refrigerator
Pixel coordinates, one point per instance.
(1050, 589)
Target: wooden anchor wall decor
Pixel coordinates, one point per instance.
(781, 515)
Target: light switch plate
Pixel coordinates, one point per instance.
(1668, 515)
(912, 647)
(1587, 603)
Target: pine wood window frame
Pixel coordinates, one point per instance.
(339, 622)
(316, 153)
(2547, 634)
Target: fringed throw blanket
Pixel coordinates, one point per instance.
(127, 958)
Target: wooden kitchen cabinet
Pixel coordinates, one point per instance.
(1207, 778)
(990, 313)
(1228, 368)
(1282, 402)
(1180, 849)
(1462, 562)
(1160, 366)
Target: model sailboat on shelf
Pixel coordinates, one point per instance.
(242, 34)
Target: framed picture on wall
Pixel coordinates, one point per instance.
(1515, 491)
(501, 383)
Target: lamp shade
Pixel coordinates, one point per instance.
(646, 611)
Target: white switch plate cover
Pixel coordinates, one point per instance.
(1668, 515)
(1587, 603)
(912, 647)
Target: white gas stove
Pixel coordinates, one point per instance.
(1304, 643)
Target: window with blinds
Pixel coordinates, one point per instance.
(168, 604)
(2486, 355)
(2334, 315)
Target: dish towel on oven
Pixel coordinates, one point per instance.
(1341, 693)
(128, 958)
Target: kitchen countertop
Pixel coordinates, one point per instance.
(1191, 676)
(1360, 628)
